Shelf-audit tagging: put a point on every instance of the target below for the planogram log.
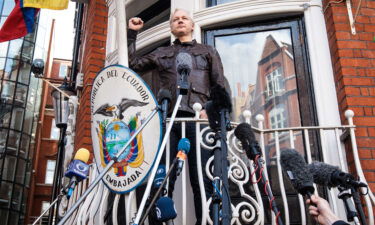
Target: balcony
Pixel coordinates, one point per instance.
(249, 203)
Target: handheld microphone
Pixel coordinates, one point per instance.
(295, 167)
(220, 103)
(183, 150)
(331, 176)
(165, 210)
(159, 176)
(77, 169)
(164, 98)
(183, 65)
(245, 134)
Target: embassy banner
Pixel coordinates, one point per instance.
(120, 102)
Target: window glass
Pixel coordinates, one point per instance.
(45, 206)
(55, 132)
(8, 91)
(5, 115)
(277, 117)
(3, 213)
(50, 170)
(13, 218)
(63, 71)
(24, 146)
(20, 174)
(11, 69)
(27, 51)
(1, 9)
(9, 168)
(13, 141)
(4, 135)
(20, 95)
(210, 3)
(5, 194)
(28, 174)
(24, 74)
(17, 198)
(15, 49)
(17, 119)
(3, 49)
(28, 122)
(8, 7)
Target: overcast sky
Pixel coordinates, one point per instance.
(64, 32)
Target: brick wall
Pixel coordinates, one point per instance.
(353, 60)
(92, 61)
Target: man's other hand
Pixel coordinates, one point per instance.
(136, 23)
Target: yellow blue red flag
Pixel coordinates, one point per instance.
(19, 22)
(46, 4)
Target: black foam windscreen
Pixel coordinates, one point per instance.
(164, 94)
(331, 176)
(220, 98)
(244, 133)
(213, 115)
(184, 63)
(295, 167)
(322, 173)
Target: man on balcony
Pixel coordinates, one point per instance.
(206, 72)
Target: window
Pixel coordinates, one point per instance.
(277, 117)
(54, 131)
(275, 83)
(51, 164)
(63, 72)
(45, 206)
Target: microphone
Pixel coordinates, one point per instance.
(331, 176)
(165, 210)
(159, 176)
(295, 167)
(245, 134)
(77, 169)
(183, 65)
(220, 101)
(183, 150)
(164, 98)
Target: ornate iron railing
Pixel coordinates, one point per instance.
(249, 205)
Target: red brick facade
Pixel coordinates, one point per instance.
(92, 56)
(353, 60)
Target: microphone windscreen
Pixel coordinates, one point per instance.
(213, 115)
(165, 209)
(82, 154)
(322, 173)
(159, 176)
(296, 168)
(244, 133)
(184, 62)
(220, 98)
(184, 145)
(164, 94)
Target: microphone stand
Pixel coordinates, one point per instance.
(221, 173)
(183, 89)
(259, 162)
(107, 168)
(156, 195)
(351, 212)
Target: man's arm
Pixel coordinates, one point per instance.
(140, 64)
(217, 72)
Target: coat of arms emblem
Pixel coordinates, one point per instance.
(120, 103)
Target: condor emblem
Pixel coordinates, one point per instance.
(120, 102)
